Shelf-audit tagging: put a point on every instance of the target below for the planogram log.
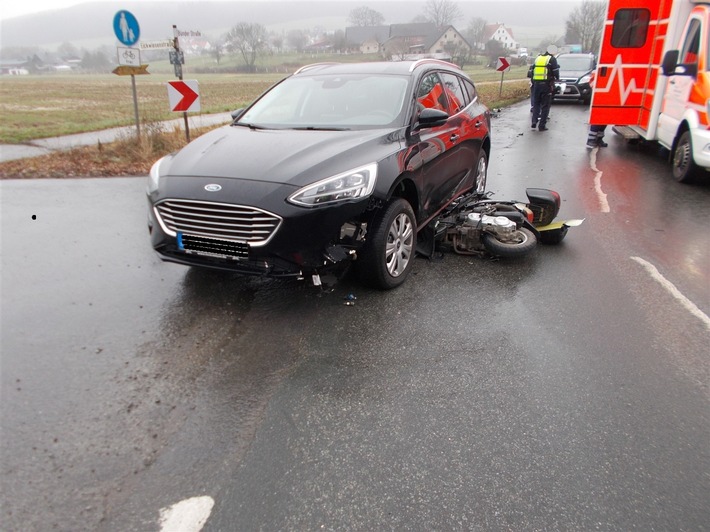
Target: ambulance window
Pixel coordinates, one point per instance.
(691, 45)
(630, 28)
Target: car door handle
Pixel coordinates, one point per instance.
(454, 137)
(478, 123)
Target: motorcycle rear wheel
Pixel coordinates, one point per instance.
(510, 250)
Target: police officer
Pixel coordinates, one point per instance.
(545, 72)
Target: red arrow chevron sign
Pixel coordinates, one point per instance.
(503, 65)
(184, 95)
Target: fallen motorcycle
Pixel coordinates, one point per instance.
(477, 224)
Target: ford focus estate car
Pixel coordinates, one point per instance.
(337, 162)
(576, 76)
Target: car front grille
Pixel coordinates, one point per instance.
(218, 221)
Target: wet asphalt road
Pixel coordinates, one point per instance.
(566, 391)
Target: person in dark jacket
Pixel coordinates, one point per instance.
(545, 71)
(595, 137)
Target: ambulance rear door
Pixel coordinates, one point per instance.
(629, 63)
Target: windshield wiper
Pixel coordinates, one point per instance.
(250, 126)
(317, 128)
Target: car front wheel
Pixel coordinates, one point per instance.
(386, 258)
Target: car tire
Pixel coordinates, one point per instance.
(481, 170)
(387, 256)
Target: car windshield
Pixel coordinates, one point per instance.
(330, 102)
(575, 63)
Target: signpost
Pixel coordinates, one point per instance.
(502, 66)
(177, 59)
(128, 32)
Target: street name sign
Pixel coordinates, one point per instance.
(165, 44)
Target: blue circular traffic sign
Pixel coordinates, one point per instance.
(126, 28)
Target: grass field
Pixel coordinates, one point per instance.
(33, 107)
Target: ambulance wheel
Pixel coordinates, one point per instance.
(684, 169)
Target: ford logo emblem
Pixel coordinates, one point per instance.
(213, 188)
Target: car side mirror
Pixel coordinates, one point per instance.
(431, 118)
(237, 113)
(671, 67)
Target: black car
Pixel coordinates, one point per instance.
(337, 162)
(576, 75)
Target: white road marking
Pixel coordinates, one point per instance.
(603, 203)
(670, 287)
(189, 515)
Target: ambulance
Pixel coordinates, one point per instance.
(652, 79)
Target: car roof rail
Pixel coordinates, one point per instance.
(314, 65)
(420, 62)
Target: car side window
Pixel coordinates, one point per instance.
(470, 89)
(431, 93)
(454, 92)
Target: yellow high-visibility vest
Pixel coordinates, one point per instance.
(540, 68)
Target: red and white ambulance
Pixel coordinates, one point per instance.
(653, 78)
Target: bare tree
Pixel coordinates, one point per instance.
(585, 25)
(474, 33)
(494, 50)
(459, 51)
(442, 12)
(365, 16)
(297, 39)
(338, 41)
(217, 47)
(548, 40)
(397, 50)
(250, 40)
(67, 50)
(277, 41)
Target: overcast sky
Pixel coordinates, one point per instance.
(15, 8)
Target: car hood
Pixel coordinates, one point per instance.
(576, 74)
(293, 157)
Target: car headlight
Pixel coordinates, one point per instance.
(154, 175)
(585, 79)
(349, 186)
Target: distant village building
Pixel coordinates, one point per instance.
(366, 39)
(498, 32)
(400, 41)
(13, 67)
